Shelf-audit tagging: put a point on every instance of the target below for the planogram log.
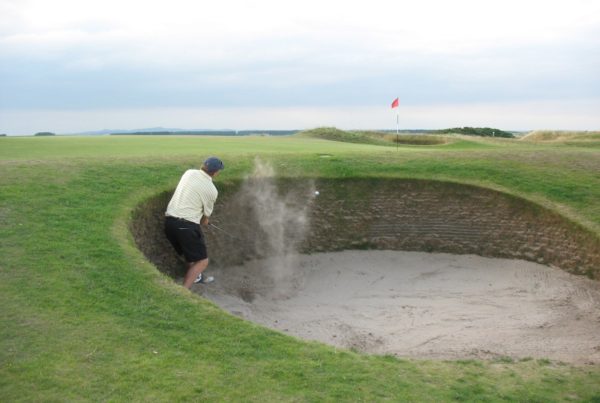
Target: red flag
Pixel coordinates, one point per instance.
(395, 103)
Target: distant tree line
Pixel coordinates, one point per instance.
(477, 131)
(44, 134)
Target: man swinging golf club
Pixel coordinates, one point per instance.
(191, 205)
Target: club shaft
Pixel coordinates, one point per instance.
(222, 230)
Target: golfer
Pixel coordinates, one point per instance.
(191, 205)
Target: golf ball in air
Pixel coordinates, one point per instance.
(316, 192)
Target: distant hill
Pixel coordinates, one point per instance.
(145, 130)
(163, 131)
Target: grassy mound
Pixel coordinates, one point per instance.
(418, 139)
(373, 137)
(562, 136)
(334, 134)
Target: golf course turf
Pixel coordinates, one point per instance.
(85, 316)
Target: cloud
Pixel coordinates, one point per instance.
(144, 54)
(428, 25)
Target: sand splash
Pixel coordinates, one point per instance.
(282, 221)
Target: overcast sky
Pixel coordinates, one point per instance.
(76, 65)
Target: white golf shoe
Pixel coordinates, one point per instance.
(204, 279)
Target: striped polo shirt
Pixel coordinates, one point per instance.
(194, 197)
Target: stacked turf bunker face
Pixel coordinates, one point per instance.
(392, 214)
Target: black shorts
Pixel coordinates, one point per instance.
(187, 238)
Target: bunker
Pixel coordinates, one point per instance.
(413, 268)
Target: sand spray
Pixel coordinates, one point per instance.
(281, 217)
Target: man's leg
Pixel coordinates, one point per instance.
(195, 268)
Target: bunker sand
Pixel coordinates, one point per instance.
(419, 305)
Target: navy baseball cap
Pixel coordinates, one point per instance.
(213, 164)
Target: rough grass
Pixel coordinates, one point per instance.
(85, 318)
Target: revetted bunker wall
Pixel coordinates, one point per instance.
(394, 214)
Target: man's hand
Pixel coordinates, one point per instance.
(204, 220)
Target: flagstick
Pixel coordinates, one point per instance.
(397, 126)
(395, 104)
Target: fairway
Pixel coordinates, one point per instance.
(88, 314)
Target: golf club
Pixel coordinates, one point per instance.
(223, 231)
